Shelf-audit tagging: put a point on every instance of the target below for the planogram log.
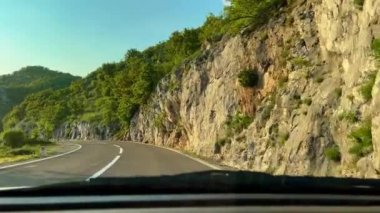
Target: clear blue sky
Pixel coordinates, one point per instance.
(77, 36)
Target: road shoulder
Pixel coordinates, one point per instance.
(57, 150)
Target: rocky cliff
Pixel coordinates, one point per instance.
(84, 131)
(314, 61)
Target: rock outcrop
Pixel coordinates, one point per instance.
(85, 131)
(312, 59)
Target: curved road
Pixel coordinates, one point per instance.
(97, 159)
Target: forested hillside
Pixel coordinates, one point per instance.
(112, 94)
(16, 86)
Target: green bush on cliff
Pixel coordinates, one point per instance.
(376, 48)
(333, 153)
(362, 137)
(359, 3)
(366, 88)
(237, 123)
(249, 78)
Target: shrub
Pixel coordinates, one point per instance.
(333, 153)
(267, 110)
(319, 79)
(35, 141)
(26, 150)
(307, 101)
(300, 61)
(362, 136)
(14, 139)
(219, 144)
(282, 81)
(366, 88)
(237, 123)
(359, 3)
(351, 97)
(338, 92)
(283, 137)
(349, 116)
(249, 78)
(159, 120)
(376, 48)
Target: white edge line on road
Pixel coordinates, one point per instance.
(14, 187)
(104, 169)
(120, 149)
(42, 159)
(186, 155)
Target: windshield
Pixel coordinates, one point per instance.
(121, 88)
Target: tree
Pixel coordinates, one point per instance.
(14, 139)
(244, 13)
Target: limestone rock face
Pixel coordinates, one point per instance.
(312, 61)
(85, 131)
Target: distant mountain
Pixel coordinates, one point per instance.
(16, 86)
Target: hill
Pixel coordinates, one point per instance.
(16, 86)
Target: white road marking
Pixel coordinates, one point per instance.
(14, 187)
(104, 169)
(42, 159)
(188, 156)
(31, 166)
(120, 149)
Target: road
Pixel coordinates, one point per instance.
(100, 159)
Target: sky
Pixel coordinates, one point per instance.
(78, 36)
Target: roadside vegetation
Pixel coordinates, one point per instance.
(15, 146)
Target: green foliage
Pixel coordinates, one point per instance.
(25, 150)
(28, 80)
(362, 137)
(283, 137)
(220, 143)
(14, 139)
(319, 79)
(307, 101)
(248, 78)
(350, 116)
(333, 153)
(159, 120)
(359, 3)
(301, 62)
(351, 97)
(235, 124)
(376, 47)
(338, 92)
(285, 55)
(283, 81)
(367, 86)
(250, 13)
(267, 110)
(213, 29)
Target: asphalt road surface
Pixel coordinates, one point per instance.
(100, 159)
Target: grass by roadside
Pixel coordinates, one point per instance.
(27, 152)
